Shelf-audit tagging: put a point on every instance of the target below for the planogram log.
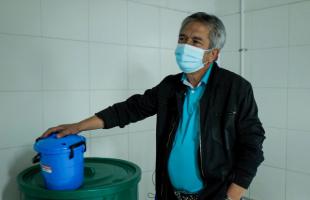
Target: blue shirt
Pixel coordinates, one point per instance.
(183, 167)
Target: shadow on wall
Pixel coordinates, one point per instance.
(22, 161)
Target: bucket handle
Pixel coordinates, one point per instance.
(36, 158)
(72, 147)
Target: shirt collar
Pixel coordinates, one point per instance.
(204, 78)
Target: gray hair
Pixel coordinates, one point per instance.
(217, 34)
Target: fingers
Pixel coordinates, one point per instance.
(49, 131)
(63, 130)
(64, 133)
(71, 129)
(52, 130)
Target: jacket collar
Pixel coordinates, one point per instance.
(204, 101)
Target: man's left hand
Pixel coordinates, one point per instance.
(235, 192)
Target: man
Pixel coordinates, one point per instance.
(208, 135)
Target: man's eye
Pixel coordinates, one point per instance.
(196, 43)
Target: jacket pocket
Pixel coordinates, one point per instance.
(224, 128)
(229, 130)
(221, 149)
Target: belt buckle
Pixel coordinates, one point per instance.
(185, 196)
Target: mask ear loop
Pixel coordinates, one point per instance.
(207, 50)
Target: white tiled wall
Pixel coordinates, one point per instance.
(268, 184)
(230, 15)
(20, 17)
(65, 19)
(63, 60)
(20, 60)
(276, 63)
(108, 21)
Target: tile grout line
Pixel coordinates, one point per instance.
(160, 7)
(42, 68)
(89, 74)
(286, 170)
(287, 103)
(275, 6)
(85, 41)
(138, 45)
(127, 68)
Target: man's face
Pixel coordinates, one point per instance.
(195, 34)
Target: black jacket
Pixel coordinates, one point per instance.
(231, 133)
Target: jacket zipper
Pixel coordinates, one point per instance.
(167, 145)
(169, 138)
(200, 150)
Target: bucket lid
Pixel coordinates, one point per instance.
(103, 176)
(54, 145)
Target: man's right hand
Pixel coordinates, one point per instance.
(63, 130)
(67, 129)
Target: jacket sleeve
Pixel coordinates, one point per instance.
(250, 137)
(135, 108)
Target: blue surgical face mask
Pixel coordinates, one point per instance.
(190, 58)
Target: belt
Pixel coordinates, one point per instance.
(185, 196)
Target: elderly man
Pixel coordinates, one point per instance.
(208, 135)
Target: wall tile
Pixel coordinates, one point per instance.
(267, 28)
(258, 4)
(65, 19)
(63, 107)
(230, 60)
(143, 25)
(179, 4)
(272, 106)
(147, 124)
(267, 67)
(21, 118)
(110, 147)
(21, 17)
(297, 146)
(275, 147)
(108, 21)
(297, 186)
(299, 32)
(145, 64)
(65, 65)
(299, 67)
(269, 183)
(108, 66)
(298, 109)
(100, 100)
(161, 3)
(142, 149)
(170, 24)
(20, 63)
(146, 185)
(223, 7)
(168, 63)
(232, 26)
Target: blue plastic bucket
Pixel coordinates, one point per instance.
(61, 161)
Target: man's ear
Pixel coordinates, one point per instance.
(214, 54)
(211, 56)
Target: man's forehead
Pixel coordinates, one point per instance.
(195, 29)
